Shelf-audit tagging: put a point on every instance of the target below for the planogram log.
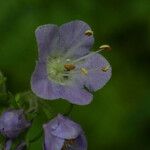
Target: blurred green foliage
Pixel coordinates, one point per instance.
(119, 116)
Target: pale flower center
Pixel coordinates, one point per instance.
(58, 70)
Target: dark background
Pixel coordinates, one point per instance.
(119, 116)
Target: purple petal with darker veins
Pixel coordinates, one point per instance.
(96, 78)
(51, 142)
(41, 85)
(76, 95)
(46, 36)
(66, 128)
(73, 38)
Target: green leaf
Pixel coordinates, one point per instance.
(46, 108)
(2, 140)
(36, 130)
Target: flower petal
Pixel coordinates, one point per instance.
(73, 38)
(51, 142)
(46, 36)
(80, 143)
(96, 78)
(76, 95)
(66, 128)
(41, 85)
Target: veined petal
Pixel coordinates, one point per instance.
(73, 39)
(66, 129)
(51, 142)
(46, 36)
(76, 95)
(96, 77)
(41, 85)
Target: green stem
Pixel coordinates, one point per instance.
(67, 113)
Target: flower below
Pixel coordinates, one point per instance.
(66, 68)
(63, 134)
(12, 123)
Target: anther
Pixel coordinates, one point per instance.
(69, 67)
(105, 69)
(88, 32)
(105, 47)
(84, 71)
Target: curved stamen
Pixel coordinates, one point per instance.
(86, 56)
(103, 47)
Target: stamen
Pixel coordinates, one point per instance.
(76, 46)
(84, 71)
(105, 69)
(86, 56)
(88, 32)
(105, 47)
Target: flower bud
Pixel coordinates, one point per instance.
(12, 123)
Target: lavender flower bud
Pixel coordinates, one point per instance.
(12, 123)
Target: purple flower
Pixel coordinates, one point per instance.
(66, 68)
(12, 123)
(63, 134)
